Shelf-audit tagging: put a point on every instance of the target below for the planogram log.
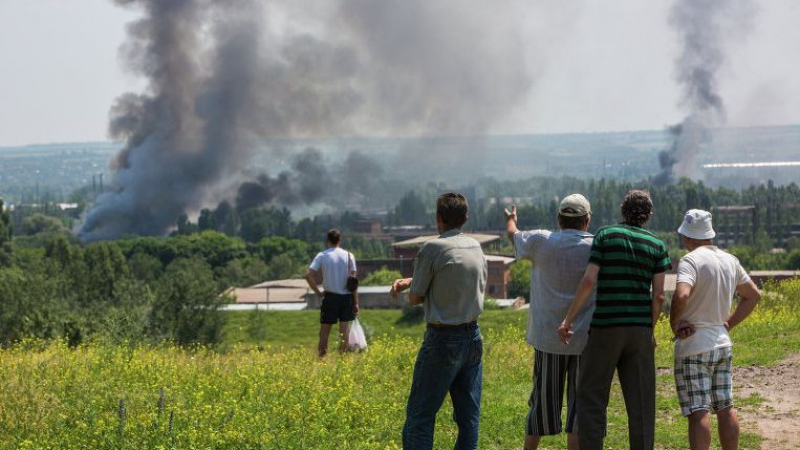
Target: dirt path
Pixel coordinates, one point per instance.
(778, 421)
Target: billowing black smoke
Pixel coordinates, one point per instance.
(312, 179)
(223, 76)
(704, 27)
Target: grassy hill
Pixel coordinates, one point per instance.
(270, 391)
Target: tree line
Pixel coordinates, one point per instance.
(155, 288)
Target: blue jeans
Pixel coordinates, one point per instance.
(449, 361)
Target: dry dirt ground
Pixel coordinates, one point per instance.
(778, 419)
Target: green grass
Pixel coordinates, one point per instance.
(300, 329)
(767, 337)
(264, 388)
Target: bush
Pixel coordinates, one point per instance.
(490, 303)
(412, 314)
(382, 277)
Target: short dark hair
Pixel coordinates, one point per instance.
(575, 223)
(637, 207)
(452, 208)
(334, 236)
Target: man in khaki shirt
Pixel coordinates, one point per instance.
(449, 281)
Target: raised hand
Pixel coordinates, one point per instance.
(510, 215)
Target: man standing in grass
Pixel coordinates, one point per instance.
(449, 281)
(700, 316)
(338, 304)
(625, 261)
(559, 261)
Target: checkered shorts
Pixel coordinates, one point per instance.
(704, 381)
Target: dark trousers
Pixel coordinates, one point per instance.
(448, 362)
(631, 352)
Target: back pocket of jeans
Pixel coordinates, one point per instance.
(448, 353)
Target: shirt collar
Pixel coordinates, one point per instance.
(449, 233)
(576, 232)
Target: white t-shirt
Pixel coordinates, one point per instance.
(713, 275)
(332, 262)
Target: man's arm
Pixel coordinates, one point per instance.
(680, 328)
(400, 285)
(511, 222)
(748, 297)
(356, 306)
(311, 275)
(585, 287)
(658, 295)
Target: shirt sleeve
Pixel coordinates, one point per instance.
(741, 275)
(664, 264)
(525, 244)
(352, 264)
(687, 272)
(596, 252)
(316, 263)
(423, 272)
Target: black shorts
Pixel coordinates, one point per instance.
(336, 307)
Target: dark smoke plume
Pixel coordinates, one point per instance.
(311, 180)
(704, 27)
(223, 76)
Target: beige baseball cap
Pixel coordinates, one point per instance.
(574, 205)
(697, 225)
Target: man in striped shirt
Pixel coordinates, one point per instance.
(625, 262)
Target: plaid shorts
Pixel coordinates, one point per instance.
(704, 381)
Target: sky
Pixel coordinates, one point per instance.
(601, 66)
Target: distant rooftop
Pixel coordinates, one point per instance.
(482, 239)
(504, 259)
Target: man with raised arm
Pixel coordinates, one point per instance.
(700, 316)
(558, 263)
(625, 262)
(449, 281)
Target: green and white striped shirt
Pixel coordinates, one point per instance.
(628, 258)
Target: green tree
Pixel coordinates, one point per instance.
(6, 233)
(411, 210)
(283, 267)
(256, 224)
(145, 267)
(241, 272)
(127, 320)
(105, 265)
(520, 285)
(40, 223)
(185, 308)
(206, 220)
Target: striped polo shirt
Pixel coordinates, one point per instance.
(628, 257)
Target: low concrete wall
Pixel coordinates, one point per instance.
(369, 297)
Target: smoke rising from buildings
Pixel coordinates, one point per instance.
(225, 76)
(704, 28)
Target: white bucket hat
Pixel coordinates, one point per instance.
(697, 225)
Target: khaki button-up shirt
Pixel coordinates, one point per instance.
(450, 273)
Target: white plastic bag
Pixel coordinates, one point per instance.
(357, 341)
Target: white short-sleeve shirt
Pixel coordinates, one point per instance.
(559, 260)
(713, 275)
(333, 262)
